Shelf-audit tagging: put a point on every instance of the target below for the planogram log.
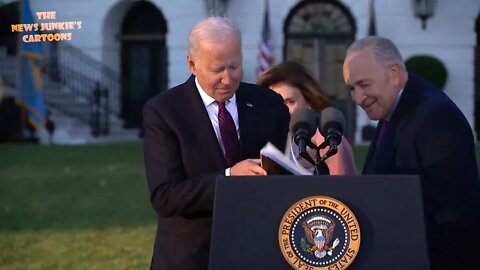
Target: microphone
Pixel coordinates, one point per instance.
(332, 124)
(303, 126)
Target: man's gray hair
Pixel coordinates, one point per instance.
(384, 50)
(212, 29)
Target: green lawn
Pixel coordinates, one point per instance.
(77, 207)
(74, 207)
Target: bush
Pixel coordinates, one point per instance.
(428, 68)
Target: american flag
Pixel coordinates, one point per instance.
(265, 55)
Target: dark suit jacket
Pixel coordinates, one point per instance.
(429, 136)
(183, 157)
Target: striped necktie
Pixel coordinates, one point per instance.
(228, 134)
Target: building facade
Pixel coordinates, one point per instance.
(145, 42)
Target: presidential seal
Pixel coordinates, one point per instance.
(319, 233)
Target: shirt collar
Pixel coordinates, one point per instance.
(395, 105)
(208, 100)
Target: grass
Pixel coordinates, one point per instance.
(74, 207)
(78, 207)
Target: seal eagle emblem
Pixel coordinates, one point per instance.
(319, 233)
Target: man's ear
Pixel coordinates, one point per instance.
(191, 63)
(396, 74)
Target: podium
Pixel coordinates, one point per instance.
(249, 210)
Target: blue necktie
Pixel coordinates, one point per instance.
(228, 134)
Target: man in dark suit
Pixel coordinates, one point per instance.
(188, 143)
(420, 131)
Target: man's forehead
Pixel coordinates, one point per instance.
(360, 57)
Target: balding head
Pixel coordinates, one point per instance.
(212, 29)
(384, 50)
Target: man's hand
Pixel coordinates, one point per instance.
(248, 167)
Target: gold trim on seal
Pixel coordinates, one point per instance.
(321, 204)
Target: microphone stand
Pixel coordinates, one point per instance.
(319, 164)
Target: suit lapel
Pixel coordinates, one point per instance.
(203, 132)
(402, 114)
(382, 159)
(247, 114)
(371, 151)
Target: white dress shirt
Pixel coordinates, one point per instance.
(212, 109)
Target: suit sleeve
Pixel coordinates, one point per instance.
(172, 192)
(445, 147)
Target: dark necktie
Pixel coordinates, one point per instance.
(381, 134)
(380, 162)
(228, 134)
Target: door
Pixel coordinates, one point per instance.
(317, 34)
(144, 60)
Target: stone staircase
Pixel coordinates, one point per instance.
(69, 130)
(73, 130)
(70, 112)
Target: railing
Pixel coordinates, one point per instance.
(90, 85)
(75, 83)
(99, 120)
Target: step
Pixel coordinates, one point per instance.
(69, 130)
